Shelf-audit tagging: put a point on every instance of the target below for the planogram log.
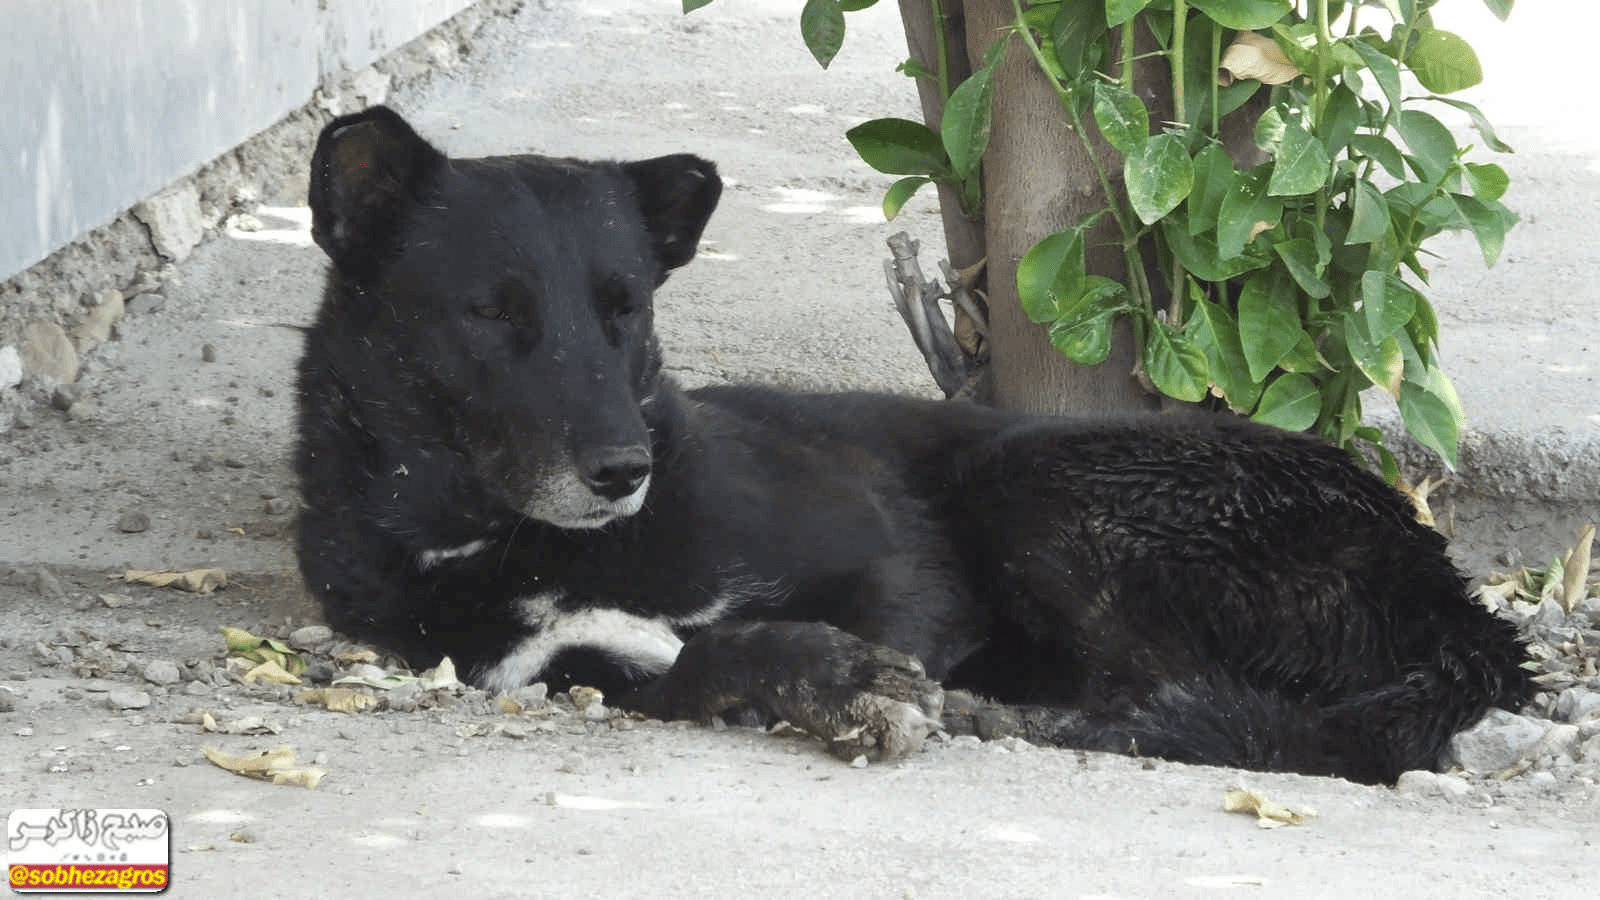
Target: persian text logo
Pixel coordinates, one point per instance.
(88, 850)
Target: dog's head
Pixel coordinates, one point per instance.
(509, 299)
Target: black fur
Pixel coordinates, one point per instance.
(495, 469)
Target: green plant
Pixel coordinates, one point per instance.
(1284, 289)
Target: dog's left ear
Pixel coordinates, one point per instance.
(677, 195)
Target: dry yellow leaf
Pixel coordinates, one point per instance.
(362, 655)
(440, 677)
(1418, 494)
(338, 699)
(583, 697)
(270, 671)
(1255, 56)
(276, 765)
(1268, 813)
(1575, 570)
(197, 581)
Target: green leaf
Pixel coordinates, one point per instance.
(1243, 15)
(1443, 62)
(1340, 118)
(965, 126)
(1246, 209)
(1379, 359)
(1050, 277)
(1487, 180)
(1213, 176)
(1431, 411)
(900, 192)
(914, 69)
(1300, 166)
(1269, 128)
(1217, 333)
(1391, 470)
(690, 6)
(856, 5)
(1433, 147)
(1086, 341)
(1387, 304)
(899, 147)
(1369, 214)
(1489, 221)
(1121, 116)
(1300, 258)
(1079, 33)
(1291, 402)
(1380, 150)
(1423, 329)
(1199, 255)
(1175, 365)
(1269, 321)
(1158, 176)
(1119, 11)
(822, 28)
(1480, 123)
(1384, 69)
(1500, 8)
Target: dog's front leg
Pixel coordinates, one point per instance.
(863, 699)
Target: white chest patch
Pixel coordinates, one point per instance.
(643, 646)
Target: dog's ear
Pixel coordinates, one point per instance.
(368, 168)
(677, 195)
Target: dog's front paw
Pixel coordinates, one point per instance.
(882, 709)
(863, 699)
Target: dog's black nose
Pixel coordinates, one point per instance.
(615, 472)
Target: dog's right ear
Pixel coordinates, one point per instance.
(368, 169)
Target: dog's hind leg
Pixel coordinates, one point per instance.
(863, 699)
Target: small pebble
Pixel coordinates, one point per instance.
(133, 522)
(208, 353)
(123, 698)
(310, 636)
(162, 671)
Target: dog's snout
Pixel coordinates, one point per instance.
(615, 472)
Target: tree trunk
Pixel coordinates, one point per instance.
(1039, 179)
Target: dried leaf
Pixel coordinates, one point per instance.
(583, 697)
(440, 677)
(198, 581)
(337, 699)
(1255, 56)
(270, 671)
(363, 655)
(383, 682)
(1575, 568)
(1418, 494)
(276, 765)
(244, 645)
(1268, 814)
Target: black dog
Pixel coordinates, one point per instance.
(495, 469)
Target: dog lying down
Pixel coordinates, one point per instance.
(495, 469)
